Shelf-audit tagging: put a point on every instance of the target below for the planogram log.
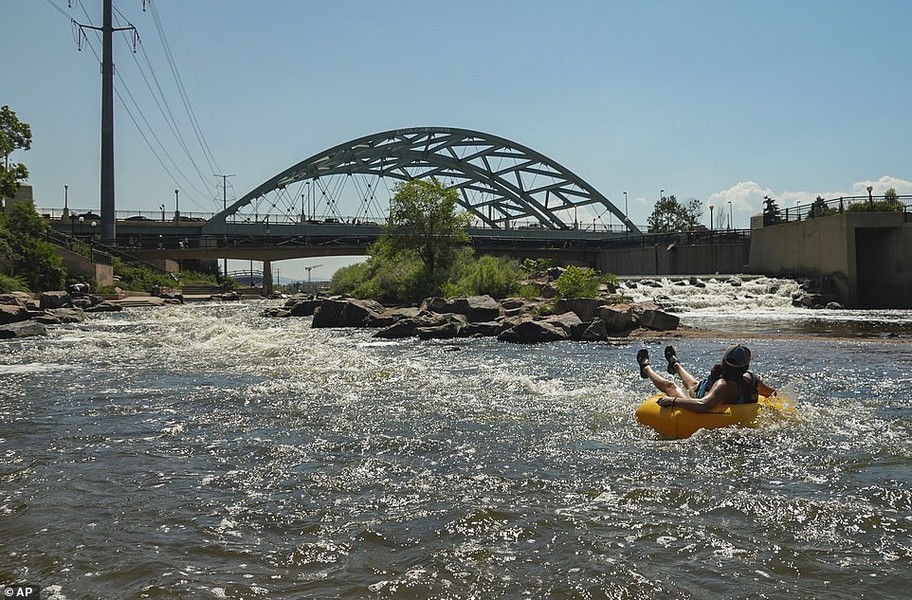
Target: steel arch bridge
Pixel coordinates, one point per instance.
(499, 182)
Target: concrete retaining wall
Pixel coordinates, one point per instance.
(867, 255)
(674, 259)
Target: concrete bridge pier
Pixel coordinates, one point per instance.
(267, 278)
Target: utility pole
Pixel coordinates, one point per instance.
(224, 208)
(108, 227)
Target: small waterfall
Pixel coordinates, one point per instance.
(715, 295)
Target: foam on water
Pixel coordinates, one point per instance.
(207, 449)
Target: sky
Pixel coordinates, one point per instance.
(725, 102)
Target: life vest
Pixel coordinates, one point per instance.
(748, 393)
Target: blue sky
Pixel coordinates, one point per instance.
(719, 101)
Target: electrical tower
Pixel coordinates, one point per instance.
(107, 29)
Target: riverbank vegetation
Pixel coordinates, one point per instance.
(424, 252)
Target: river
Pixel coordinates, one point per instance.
(205, 451)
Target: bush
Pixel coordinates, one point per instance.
(13, 284)
(577, 282)
(495, 277)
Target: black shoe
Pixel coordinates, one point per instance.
(672, 359)
(643, 361)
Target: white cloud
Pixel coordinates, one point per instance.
(747, 196)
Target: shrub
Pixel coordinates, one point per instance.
(495, 277)
(10, 283)
(577, 282)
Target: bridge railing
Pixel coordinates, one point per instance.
(823, 208)
(81, 247)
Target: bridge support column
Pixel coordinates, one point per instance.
(267, 277)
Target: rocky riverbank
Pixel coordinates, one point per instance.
(22, 315)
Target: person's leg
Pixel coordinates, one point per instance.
(675, 367)
(667, 386)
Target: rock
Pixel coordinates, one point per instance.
(834, 306)
(617, 321)
(15, 298)
(438, 332)
(54, 299)
(69, 315)
(697, 282)
(227, 296)
(474, 308)
(104, 307)
(659, 320)
(357, 313)
(595, 331)
(45, 318)
(275, 311)
(531, 332)
(22, 329)
(13, 313)
(400, 329)
(569, 322)
(734, 281)
(482, 329)
(584, 308)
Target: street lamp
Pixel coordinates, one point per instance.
(729, 215)
(626, 215)
(711, 208)
(66, 208)
(661, 194)
(870, 189)
(81, 221)
(177, 212)
(162, 207)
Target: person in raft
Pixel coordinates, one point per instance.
(729, 382)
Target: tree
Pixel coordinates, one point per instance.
(771, 212)
(423, 219)
(819, 208)
(14, 135)
(671, 216)
(31, 258)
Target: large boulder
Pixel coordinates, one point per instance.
(54, 299)
(69, 315)
(474, 308)
(659, 320)
(617, 321)
(569, 322)
(584, 308)
(18, 298)
(532, 332)
(358, 313)
(482, 329)
(595, 331)
(302, 305)
(104, 307)
(22, 329)
(13, 313)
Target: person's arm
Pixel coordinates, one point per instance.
(701, 405)
(765, 390)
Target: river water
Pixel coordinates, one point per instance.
(205, 451)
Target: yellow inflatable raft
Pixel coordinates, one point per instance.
(680, 423)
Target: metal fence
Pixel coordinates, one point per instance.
(823, 208)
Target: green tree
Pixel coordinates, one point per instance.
(819, 208)
(423, 219)
(771, 212)
(577, 282)
(14, 135)
(669, 215)
(30, 257)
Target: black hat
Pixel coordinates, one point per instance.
(737, 356)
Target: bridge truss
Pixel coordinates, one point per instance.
(502, 184)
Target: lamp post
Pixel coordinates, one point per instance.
(66, 207)
(729, 215)
(626, 214)
(177, 212)
(711, 208)
(870, 189)
(162, 207)
(81, 221)
(661, 194)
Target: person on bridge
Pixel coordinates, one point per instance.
(729, 382)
